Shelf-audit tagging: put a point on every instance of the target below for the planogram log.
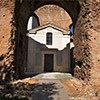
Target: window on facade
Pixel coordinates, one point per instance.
(49, 38)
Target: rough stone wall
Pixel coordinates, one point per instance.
(95, 39)
(13, 24)
(55, 15)
(22, 13)
(6, 40)
(86, 39)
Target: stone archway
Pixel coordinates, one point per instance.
(21, 19)
(86, 31)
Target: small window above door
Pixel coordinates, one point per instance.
(49, 38)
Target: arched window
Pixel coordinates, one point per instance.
(49, 38)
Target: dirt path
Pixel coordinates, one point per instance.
(49, 90)
(41, 87)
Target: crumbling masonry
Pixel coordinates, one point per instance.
(14, 15)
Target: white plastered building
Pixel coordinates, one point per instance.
(48, 49)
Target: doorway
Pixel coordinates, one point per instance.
(48, 62)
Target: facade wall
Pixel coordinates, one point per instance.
(36, 52)
(59, 41)
(37, 48)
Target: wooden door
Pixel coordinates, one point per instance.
(48, 62)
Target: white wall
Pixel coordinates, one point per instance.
(37, 47)
(32, 23)
(59, 40)
(29, 25)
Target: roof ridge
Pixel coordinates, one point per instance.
(47, 25)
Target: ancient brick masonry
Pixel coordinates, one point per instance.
(13, 21)
(7, 43)
(55, 15)
(86, 30)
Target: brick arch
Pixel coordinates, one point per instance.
(82, 14)
(54, 14)
(23, 10)
(71, 7)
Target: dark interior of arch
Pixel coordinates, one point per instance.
(23, 10)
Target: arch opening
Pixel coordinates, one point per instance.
(26, 10)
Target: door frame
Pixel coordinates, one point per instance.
(54, 58)
(45, 61)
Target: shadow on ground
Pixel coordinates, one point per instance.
(44, 91)
(24, 91)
